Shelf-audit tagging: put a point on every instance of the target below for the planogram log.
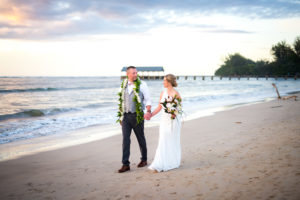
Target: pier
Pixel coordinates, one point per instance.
(161, 77)
(147, 73)
(157, 73)
(234, 77)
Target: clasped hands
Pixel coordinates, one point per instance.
(148, 116)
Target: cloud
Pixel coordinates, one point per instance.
(229, 31)
(33, 19)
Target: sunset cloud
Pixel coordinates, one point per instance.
(32, 19)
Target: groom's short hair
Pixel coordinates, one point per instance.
(130, 67)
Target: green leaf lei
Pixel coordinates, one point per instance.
(136, 99)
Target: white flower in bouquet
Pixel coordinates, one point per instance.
(168, 105)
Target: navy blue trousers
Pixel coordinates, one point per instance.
(129, 123)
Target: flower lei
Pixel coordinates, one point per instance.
(136, 99)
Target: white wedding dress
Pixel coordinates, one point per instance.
(168, 152)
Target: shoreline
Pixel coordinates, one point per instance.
(251, 152)
(31, 146)
(61, 120)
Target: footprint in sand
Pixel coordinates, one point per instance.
(29, 184)
(216, 186)
(271, 196)
(11, 195)
(50, 198)
(212, 173)
(189, 183)
(262, 171)
(32, 189)
(288, 156)
(35, 190)
(227, 153)
(244, 167)
(46, 184)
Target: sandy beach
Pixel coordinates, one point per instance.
(249, 152)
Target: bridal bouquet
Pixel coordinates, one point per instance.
(172, 106)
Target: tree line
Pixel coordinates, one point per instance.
(286, 62)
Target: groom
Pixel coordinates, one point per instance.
(129, 121)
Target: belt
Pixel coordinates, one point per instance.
(130, 113)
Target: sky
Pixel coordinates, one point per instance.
(98, 38)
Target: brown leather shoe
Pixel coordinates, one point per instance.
(142, 164)
(124, 168)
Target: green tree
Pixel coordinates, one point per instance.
(286, 58)
(236, 64)
(282, 52)
(297, 46)
(286, 62)
(262, 68)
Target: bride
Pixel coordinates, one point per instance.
(168, 152)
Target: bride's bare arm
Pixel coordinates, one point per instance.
(178, 95)
(156, 110)
(158, 107)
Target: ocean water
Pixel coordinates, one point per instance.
(38, 107)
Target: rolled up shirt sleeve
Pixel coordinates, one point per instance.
(146, 94)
